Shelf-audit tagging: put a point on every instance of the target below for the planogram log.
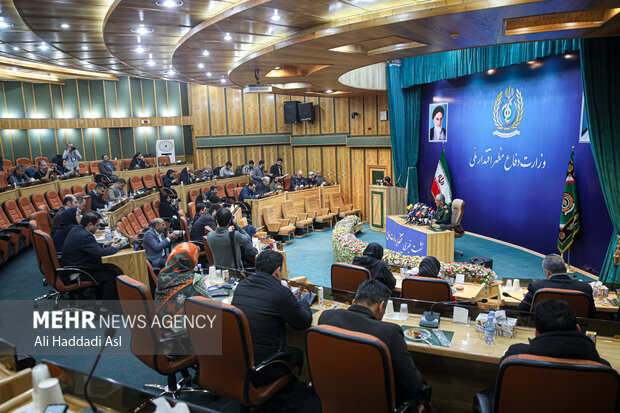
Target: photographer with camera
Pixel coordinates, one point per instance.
(43, 171)
(225, 242)
(73, 157)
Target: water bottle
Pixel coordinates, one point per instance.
(108, 235)
(489, 329)
(200, 270)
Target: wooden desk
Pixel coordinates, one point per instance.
(175, 167)
(68, 183)
(471, 292)
(325, 191)
(128, 173)
(132, 263)
(257, 206)
(604, 307)
(41, 188)
(418, 240)
(115, 216)
(6, 195)
(299, 197)
(384, 201)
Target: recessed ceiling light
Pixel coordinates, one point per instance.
(86, 64)
(531, 62)
(200, 65)
(5, 25)
(112, 61)
(171, 72)
(142, 29)
(169, 3)
(15, 48)
(64, 26)
(43, 46)
(208, 74)
(276, 68)
(84, 47)
(205, 53)
(329, 91)
(222, 80)
(151, 63)
(227, 37)
(13, 69)
(275, 16)
(60, 63)
(139, 49)
(568, 56)
(490, 71)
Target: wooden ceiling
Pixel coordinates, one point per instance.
(223, 42)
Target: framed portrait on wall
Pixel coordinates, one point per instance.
(438, 122)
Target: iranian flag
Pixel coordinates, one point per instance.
(442, 184)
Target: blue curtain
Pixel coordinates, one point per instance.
(404, 131)
(600, 69)
(429, 68)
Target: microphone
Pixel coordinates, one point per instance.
(430, 319)
(505, 294)
(109, 332)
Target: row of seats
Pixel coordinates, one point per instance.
(84, 167)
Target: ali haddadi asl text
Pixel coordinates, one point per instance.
(76, 341)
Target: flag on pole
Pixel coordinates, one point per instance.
(442, 184)
(569, 219)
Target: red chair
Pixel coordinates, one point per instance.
(159, 176)
(163, 160)
(90, 186)
(191, 207)
(133, 221)
(77, 188)
(426, 289)
(4, 179)
(116, 165)
(148, 212)
(94, 168)
(83, 167)
(39, 202)
(135, 183)
(348, 277)
(23, 161)
(6, 164)
(578, 301)
(64, 192)
(126, 163)
(40, 158)
(53, 200)
(141, 217)
(207, 250)
(220, 191)
(25, 206)
(230, 190)
(205, 189)
(17, 219)
(237, 192)
(15, 232)
(193, 194)
(155, 205)
(149, 181)
(150, 162)
(536, 384)
(43, 220)
(128, 228)
(242, 184)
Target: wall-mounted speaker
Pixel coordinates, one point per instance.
(291, 111)
(306, 111)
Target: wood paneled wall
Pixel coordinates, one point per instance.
(250, 120)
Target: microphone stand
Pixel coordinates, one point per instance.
(430, 319)
(109, 332)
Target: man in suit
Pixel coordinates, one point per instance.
(248, 192)
(276, 168)
(116, 192)
(555, 271)
(69, 201)
(557, 335)
(43, 172)
(18, 176)
(259, 172)
(155, 243)
(298, 181)
(268, 307)
(225, 254)
(364, 316)
(81, 250)
(206, 220)
(96, 196)
(107, 168)
(264, 187)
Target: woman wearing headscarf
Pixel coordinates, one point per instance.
(176, 281)
(168, 211)
(372, 259)
(168, 180)
(68, 219)
(429, 267)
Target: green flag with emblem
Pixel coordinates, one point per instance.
(569, 219)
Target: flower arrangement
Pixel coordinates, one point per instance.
(345, 246)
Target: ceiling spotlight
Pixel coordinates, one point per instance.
(276, 68)
(568, 56)
(531, 62)
(60, 63)
(205, 53)
(329, 91)
(13, 69)
(171, 72)
(112, 61)
(490, 71)
(86, 64)
(200, 65)
(151, 63)
(4, 25)
(84, 47)
(142, 29)
(222, 80)
(64, 26)
(454, 35)
(227, 37)
(43, 46)
(208, 74)
(275, 16)
(139, 49)
(169, 3)
(15, 48)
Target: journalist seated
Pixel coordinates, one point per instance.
(43, 172)
(107, 168)
(364, 316)
(269, 306)
(155, 243)
(205, 222)
(557, 335)
(429, 267)
(555, 271)
(96, 197)
(372, 260)
(116, 192)
(18, 176)
(248, 192)
(225, 242)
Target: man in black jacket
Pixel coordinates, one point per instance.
(557, 335)
(276, 168)
(268, 306)
(205, 220)
(96, 197)
(364, 316)
(81, 250)
(555, 270)
(107, 168)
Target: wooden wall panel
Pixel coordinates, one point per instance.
(385, 158)
(286, 153)
(330, 166)
(267, 113)
(358, 188)
(383, 128)
(217, 105)
(344, 171)
(356, 105)
(200, 107)
(370, 115)
(234, 107)
(300, 159)
(342, 115)
(202, 158)
(314, 128)
(237, 156)
(270, 155)
(251, 114)
(314, 159)
(326, 114)
(254, 153)
(220, 157)
(370, 158)
(281, 126)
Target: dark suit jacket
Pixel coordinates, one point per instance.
(562, 281)
(276, 170)
(268, 306)
(81, 249)
(154, 246)
(97, 201)
(409, 384)
(107, 168)
(198, 228)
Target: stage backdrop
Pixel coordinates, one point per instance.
(510, 137)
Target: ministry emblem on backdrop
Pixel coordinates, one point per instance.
(508, 112)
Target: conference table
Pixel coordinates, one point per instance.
(129, 205)
(70, 182)
(128, 173)
(43, 187)
(132, 263)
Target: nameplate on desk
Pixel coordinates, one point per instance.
(405, 240)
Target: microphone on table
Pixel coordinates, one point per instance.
(430, 319)
(505, 294)
(109, 332)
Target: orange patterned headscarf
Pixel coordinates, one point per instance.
(175, 278)
(183, 257)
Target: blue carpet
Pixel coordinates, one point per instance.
(312, 256)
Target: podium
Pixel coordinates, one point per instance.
(384, 201)
(418, 240)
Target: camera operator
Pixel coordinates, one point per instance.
(169, 211)
(43, 172)
(225, 242)
(73, 157)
